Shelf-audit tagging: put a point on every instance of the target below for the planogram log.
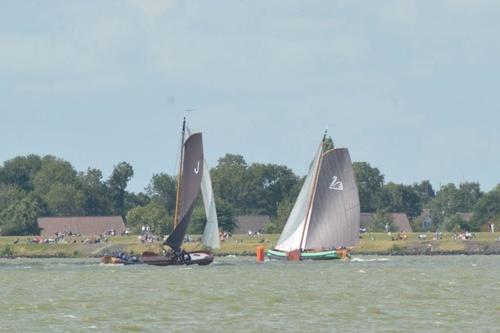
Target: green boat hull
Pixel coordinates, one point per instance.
(317, 255)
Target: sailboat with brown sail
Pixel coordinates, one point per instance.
(189, 181)
(324, 222)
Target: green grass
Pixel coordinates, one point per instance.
(370, 243)
(382, 243)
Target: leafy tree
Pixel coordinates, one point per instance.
(56, 183)
(65, 200)
(400, 198)
(96, 199)
(20, 218)
(228, 181)
(283, 212)
(370, 182)
(487, 209)
(155, 215)
(117, 184)
(20, 171)
(53, 171)
(267, 185)
(450, 200)
(225, 215)
(50, 185)
(467, 196)
(162, 187)
(284, 209)
(456, 223)
(254, 189)
(444, 204)
(424, 191)
(198, 220)
(10, 195)
(133, 200)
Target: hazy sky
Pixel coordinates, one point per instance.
(412, 87)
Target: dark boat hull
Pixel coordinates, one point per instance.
(195, 258)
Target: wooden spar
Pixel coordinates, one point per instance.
(311, 196)
(179, 178)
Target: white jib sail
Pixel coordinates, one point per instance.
(210, 236)
(292, 232)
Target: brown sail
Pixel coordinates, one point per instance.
(192, 171)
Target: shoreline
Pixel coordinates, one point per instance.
(246, 254)
(12, 247)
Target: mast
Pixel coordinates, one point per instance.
(179, 177)
(311, 196)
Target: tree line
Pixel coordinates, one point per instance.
(33, 186)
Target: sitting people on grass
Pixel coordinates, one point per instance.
(400, 236)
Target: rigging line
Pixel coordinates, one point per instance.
(177, 157)
(178, 151)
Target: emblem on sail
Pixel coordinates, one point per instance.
(197, 169)
(336, 184)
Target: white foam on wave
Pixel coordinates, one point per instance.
(369, 260)
(110, 265)
(69, 316)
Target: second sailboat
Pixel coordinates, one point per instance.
(189, 181)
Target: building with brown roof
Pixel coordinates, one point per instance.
(84, 225)
(400, 221)
(427, 221)
(253, 223)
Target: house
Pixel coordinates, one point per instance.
(84, 225)
(400, 221)
(427, 221)
(253, 223)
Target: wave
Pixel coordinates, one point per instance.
(370, 260)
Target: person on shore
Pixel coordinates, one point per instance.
(439, 235)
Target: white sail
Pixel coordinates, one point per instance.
(292, 232)
(210, 236)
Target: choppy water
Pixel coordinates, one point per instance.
(368, 294)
